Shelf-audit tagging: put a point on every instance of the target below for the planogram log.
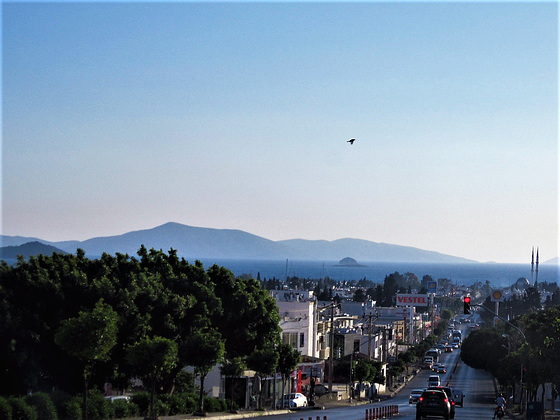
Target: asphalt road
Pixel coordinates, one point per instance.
(477, 385)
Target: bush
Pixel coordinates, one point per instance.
(214, 405)
(142, 401)
(98, 407)
(59, 399)
(5, 409)
(191, 402)
(160, 407)
(176, 403)
(21, 410)
(123, 409)
(42, 402)
(72, 409)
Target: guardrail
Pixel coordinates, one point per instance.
(382, 412)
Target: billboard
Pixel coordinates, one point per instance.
(411, 300)
(432, 287)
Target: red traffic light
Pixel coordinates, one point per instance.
(467, 299)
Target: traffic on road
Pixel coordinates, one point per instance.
(473, 396)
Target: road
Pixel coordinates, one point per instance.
(477, 386)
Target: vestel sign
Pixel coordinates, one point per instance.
(411, 300)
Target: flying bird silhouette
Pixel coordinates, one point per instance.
(351, 141)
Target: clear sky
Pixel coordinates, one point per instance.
(124, 116)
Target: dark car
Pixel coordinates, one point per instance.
(433, 403)
(458, 397)
(450, 396)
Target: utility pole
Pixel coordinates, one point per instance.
(369, 338)
(331, 349)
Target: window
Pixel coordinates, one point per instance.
(301, 339)
(290, 338)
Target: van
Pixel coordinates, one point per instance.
(434, 354)
(433, 380)
(428, 362)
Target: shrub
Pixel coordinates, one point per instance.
(191, 401)
(98, 407)
(5, 409)
(72, 409)
(214, 405)
(42, 402)
(160, 407)
(142, 401)
(21, 410)
(176, 403)
(123, 409)
(59, 399)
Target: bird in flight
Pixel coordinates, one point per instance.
(351, 141)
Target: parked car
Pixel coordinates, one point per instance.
(449, 393)
(118, 397)
(458, 397)
(433, 403)
(295, 400)
(414, 395)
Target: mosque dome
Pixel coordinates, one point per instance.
(522, 283)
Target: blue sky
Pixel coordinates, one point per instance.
(124, 116)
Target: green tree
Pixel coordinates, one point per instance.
(89, 337)
(151, 359)
(359, 295)
(249, 317)
(233, 368)
(363, 371)
(264, 362)
(288, 359)
(203, 350)
(484, 349)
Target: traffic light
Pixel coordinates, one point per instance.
(467, 305)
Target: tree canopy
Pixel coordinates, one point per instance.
(153, 294)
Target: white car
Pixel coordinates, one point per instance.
(118, 397)
(292, 401)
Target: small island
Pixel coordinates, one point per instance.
(349, 262)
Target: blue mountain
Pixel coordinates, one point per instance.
(201, 243)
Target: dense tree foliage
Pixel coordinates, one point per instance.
(531, 349)
(155, 294)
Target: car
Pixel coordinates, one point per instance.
(118, 397)
(458, 397)
(441, 369)
(433, 403)
(449, 393)
(414, 395)
(428, 362)
(295, 400)
(449, 348)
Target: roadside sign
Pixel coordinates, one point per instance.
(497, 295)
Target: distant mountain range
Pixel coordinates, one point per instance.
(204, 243)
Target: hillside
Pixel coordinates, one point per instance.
(27, 249)
(198, 243)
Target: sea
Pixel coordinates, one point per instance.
(499, 275)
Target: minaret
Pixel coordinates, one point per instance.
(537, 269)
(532, 263)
